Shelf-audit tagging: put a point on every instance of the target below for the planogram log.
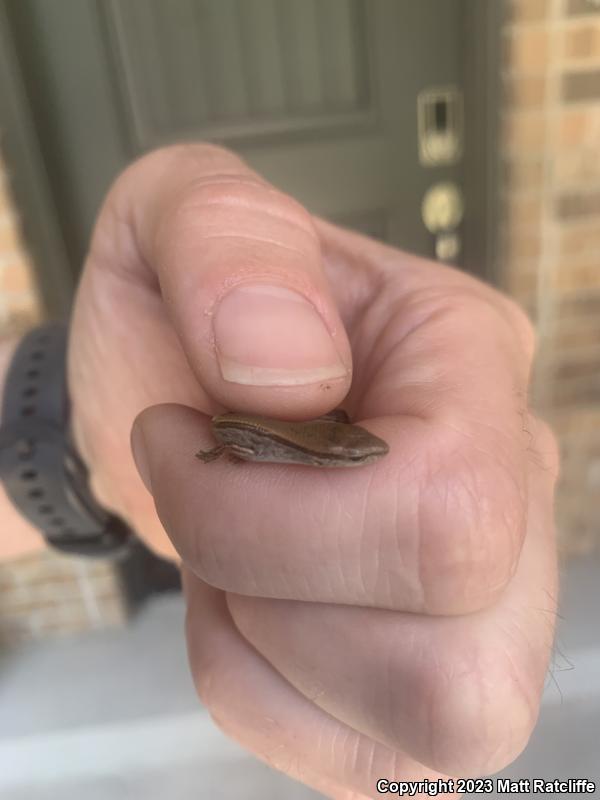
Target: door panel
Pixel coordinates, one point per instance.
(239, 68)
(320, 96)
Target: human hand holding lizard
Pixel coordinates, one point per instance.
(394, 620)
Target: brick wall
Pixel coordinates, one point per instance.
(44, 594)
(47, 594)
(19, 302)
(551, 230)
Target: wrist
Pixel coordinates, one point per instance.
(19, 537)
(105, 449)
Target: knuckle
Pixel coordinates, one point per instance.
(219, 197)
(467, 307)
(507, 309)
(482, 709)
(473, 517)
(195, 156)
(193, 205)
(478, 304)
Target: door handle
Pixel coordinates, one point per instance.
(442, 211)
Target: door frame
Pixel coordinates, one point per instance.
(482, 27)
(31, 189)
(36, 202)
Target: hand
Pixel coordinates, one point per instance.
(392, 621)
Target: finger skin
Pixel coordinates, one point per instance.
(432, 343)
(440, 368)
(254, 705)
(341, 536)
(460, 695)
(178, 229)
(204, 223)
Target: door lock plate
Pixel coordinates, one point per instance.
(440, 126)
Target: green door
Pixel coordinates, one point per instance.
(361, 109)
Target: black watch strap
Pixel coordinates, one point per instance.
(43, 475)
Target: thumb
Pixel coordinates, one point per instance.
(240, 271)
